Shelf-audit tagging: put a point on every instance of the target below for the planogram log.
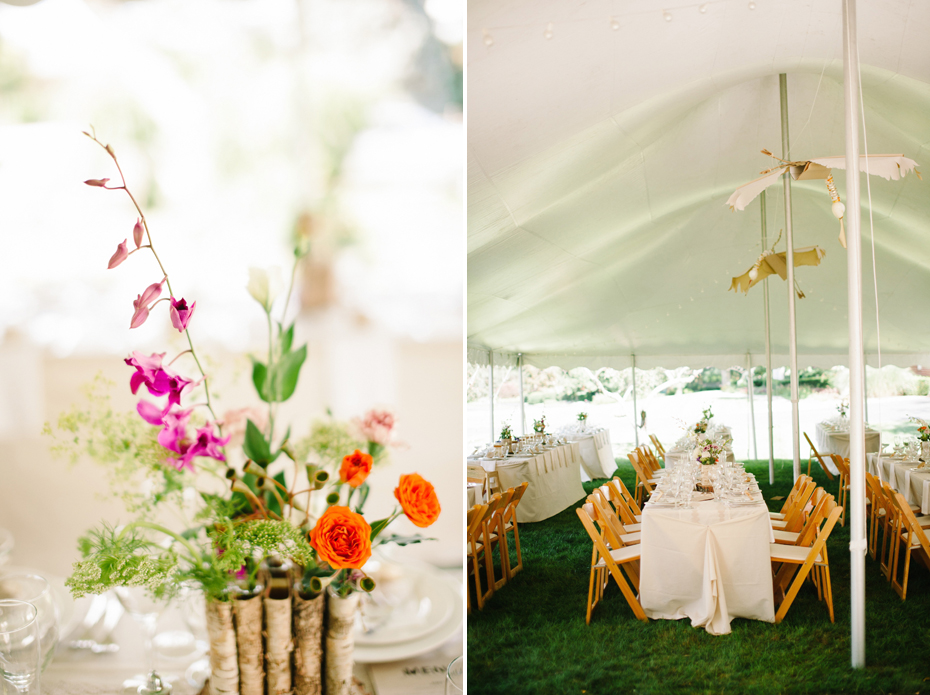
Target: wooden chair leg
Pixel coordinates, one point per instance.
(591, 588)
(505, 555)
(828, 591)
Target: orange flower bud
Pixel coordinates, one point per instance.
(355, 468)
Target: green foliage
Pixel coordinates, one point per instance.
(329, 440)
(404, 540)
(279, 385)
(708, 379)
(256, 446)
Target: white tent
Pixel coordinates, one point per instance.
(600, 161)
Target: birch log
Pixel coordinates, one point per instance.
(248, 612)
(308, 631)
(278, 642)
(340, 643)
(224, 667)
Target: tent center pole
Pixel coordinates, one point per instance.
(491, 391)
(635, 409)
(857, 543)
(522, 412)
(768, 354)
(789, 256)
(750, 392)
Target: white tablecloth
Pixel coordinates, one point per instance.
(710, 564)
(829, 442)
(474, 495)
(554, 477)
(674, 456)
(597, 453)
(913, 484)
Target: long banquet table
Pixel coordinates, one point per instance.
(710, 563)
(597, 452)
(554, 478)
(837, 442)
(903, 476)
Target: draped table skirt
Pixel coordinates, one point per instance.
(829, 442)
(597, 452)
(900, 475)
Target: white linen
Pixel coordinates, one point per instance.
(710, 564)
(554, 477)
(830, 442)
(597, 452)
(674, 456)
(473, 495)
(898, 473)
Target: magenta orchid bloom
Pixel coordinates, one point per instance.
(137, 232)
(146, 369)
(158, 380)
(205, 443)
(173, 436)
(122, 253)
(208, 444)
(181, 313)
(151, 413)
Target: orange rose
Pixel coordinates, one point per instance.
(342, 538)
(418, 498)
(355, 468)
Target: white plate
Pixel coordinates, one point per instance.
(430, 605)
(404, 650)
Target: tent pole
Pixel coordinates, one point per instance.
(750, 391)
(792, 324)
(635, 410)
(857, 543)
(491, 391)
(865, 386)
(522, 413)
(768, 355)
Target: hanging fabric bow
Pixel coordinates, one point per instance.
(770, 263)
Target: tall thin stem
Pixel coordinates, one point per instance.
(268, 377)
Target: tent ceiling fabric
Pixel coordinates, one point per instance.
(600, 163)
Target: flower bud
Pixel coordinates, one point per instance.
(254, 469)
(265, 286)
(231, 473)
(100, 183)
(332, 498)
(137, 233)
(319, 479)
(366, 584)
(122, 253)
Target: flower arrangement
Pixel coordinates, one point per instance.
(506, 433)
(843, 408)
(709, 451)
(582, 417)
(700, 427)
(923, 429)
(243, 520)
(707, 414)
(539, 426)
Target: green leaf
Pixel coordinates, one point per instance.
(287, 339)
(285, 372)
(405, 540)
(260, 379)
(379, 526)
(363, 491)
(255, 446)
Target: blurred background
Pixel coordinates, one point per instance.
(241, 126)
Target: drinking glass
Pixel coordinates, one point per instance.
(455, 677)
(35, 590)
(6, 545)
(145, 610)
(20, 655)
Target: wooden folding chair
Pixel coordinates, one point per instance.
(812, 454)
(509, 520)
(789, 500)
(630, 514)
(605, 560)
(494, 483)
(655, 469)
(879, 513)
(842, 465)
(798, 561)
(480, 548)
(496, 536)
(805, 537)
(911, 536)
(475, 549)
(660, 450)
(644, 482)
(794, 519)
(616, 534)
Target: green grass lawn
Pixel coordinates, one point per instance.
(531, 636)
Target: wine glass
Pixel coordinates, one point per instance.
(35, 590)
(20, 655)
(455, 677)
(145, 610)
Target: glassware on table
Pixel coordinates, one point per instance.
(145, 610)
(20, 655)
(455, 677)
(6, 545)
(34, 589)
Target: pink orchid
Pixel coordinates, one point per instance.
(137, 232)
(97, 182)
(173, 436)
(146, 369)
(169, 383)
(151, 413)
(142, 303)
(122, 253)
(205, 443)
(181, 314)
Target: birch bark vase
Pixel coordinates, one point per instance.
(308, 632)
(278, 641)
(224, 666)
(340, 642)
(248, 613)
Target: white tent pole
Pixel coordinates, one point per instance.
(856, 504)
(522, 413)
(635, 410)
(792, 324)
(768, 356)
(752, 410)
(491, 391)
(865, 386)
